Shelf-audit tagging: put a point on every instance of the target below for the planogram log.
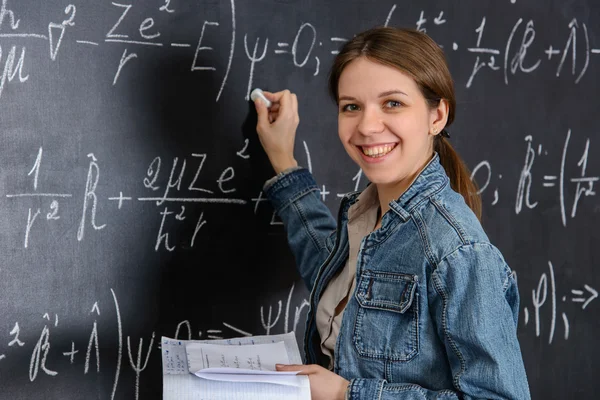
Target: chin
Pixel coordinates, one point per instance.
(381, 178)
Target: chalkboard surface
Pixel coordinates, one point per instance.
(131, 175)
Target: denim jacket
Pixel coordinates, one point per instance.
(435, 310)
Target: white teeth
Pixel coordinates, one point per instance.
(378, 151)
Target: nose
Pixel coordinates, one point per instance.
(370, 122)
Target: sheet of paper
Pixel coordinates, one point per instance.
(284, 379)
(242, 371)
(260, 357)
(174, 357)
(179, 384)
(189, 387)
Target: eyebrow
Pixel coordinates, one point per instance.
(392, 92)
(382, 94)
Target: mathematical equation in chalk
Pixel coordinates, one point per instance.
(545, 299)
(187, 186)
(581, 185)
(44, 354)
(304, 47)
(548, 296)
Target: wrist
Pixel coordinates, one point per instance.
(280, 165)
(345, 391)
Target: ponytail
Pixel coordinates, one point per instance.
(459, 174)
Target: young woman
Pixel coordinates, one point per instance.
(409, 299)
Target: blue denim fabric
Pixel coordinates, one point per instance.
(435, 310)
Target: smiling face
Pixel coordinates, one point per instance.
(385, 123)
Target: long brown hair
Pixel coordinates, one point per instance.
(417, 55)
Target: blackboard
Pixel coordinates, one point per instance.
(131, 175)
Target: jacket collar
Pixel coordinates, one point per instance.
(430, 180)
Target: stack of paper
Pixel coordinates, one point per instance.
(232, 369)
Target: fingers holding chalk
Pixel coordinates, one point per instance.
(258, 94)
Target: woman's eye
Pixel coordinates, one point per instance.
(349, 107)
(392, 104)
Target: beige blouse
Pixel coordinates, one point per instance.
(362, 217)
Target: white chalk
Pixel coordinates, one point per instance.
(258, 94)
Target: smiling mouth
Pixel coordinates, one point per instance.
(378, 151)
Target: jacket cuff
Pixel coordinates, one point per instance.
(288, 186)
(271, 181)
(361, 388)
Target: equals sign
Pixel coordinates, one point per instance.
(550, 180)
(281, 44)
(337, 40)
(212, 332)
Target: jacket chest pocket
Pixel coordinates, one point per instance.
(387, 322)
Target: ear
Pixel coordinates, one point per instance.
(438, 117)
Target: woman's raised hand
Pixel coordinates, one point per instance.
(276, 128)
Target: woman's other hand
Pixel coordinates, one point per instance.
(324, 384)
